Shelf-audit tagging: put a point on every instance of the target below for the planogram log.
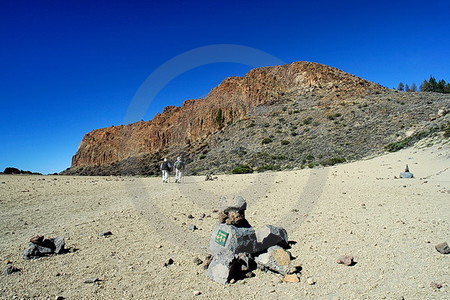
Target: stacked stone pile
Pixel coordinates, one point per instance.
(237, 248)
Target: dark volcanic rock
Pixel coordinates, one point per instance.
(443, 248)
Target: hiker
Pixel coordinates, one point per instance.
(179, 169)
(165, 169)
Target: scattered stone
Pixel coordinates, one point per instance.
(59, 298)
(10, 269)
(210, 177)
(39, 247)
(276, 259)
(346, 260)
(310, 281)
(198, 261)
(292, 278)
(59, 243)
(236, 203)
(443, 248)
(168, 263)
(91, 280)
(192, 227)
(436, 285)
(207, 261)
(190, 216)
(105, 234)
(406, 174)
(268, 236)
(38, 239)
(196, 293)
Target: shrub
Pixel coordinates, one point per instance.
(307, 121)
(284, 142)
(309, 157)
(332, 161)
(219, 117)
(447, 132)
(268, 168)
(242, 169)
(266, 141)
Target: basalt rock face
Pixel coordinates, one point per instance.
(233, 118)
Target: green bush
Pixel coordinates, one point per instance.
(307, 121)
(267, 168)
(242, 169)
(447, 132)
(278, 156)
(266, 141)
(284, 142)
(332, 161)
(309, 157)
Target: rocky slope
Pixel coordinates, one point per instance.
(282, 117)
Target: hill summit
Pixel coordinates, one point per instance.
(272, 118)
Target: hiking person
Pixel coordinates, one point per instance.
(165, 169)
(179, 169)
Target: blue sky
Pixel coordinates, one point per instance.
(68, 67)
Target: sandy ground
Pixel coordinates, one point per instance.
(389, 225)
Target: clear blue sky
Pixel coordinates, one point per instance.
(68, 67)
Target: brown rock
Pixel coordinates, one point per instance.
(207, 261)
(346, 260)
(436, 285)
(38, 239)
(292, 278)
(234, 218)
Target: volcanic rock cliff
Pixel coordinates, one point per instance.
(241, 111)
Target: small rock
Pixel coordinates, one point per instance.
(198, 261)
(192, 227)
(436, 285)
(190, 216)
(310, 281)
(207, 261)
(91, 280)
(443, 248)
(59, 298)
(168, 263)
(292, 278)
(347, 260)
(106, 233)
(196, 293)
(10, 269)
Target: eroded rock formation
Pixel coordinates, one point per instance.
(229, 102)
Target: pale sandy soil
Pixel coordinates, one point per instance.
(389, 225)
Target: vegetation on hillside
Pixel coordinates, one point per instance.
(430, 85)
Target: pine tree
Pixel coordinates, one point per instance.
(407, 89)
(400, 86)
(413, 87)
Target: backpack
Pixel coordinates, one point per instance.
(178, 165)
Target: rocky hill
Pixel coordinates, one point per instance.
(282, 117)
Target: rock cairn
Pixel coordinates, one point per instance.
(237, 248)
(407, 173)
